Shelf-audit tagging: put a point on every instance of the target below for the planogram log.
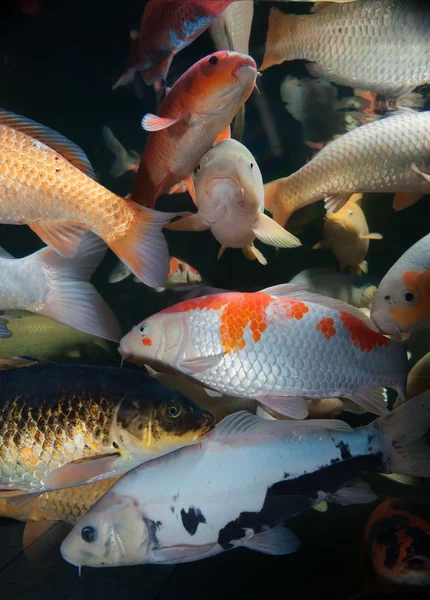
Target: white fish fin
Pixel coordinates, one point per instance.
(419, 172)
(182, 553)
(118, 273)
(374, 401)
(367, 296)
(353, 493)
(269, 232)
(152, 122)
(152, 371)
(402, 479)
(261, 412)
(212, 393)
(352, 407)
(276, 541)
(22, 362)
(253, 253)
(362, 267)
(72, 300)
(4, 254)
(290, 406)
(335, 202)
(158, 289)
(190, 223)
(284, 290)
(406, 429)
(4, 331)
(322, 507)
(63, 236)
(220, 252)
(41, 538)
(199, 364)
(124, 161)
(83, 471)
(404, 199)
(372, 236)
(144, 249)
(17, 501)
(54, 140)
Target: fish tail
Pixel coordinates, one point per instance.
(273, 202)
(123, 160)
(407, 432)
(144, 248)
(281, 38)
(72, 299)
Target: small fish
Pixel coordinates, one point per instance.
(48, 284)
(195, 114)
(124, 161)
(230, 201)
(66, 425)
(48, 184)
(347, 234)
(279, 346)
(180, 273)
(388, 53)
(34, 335)
(402, 301)
(328, 282)
(397, 155)
(419, 377)
(396, 545)
(246, 479)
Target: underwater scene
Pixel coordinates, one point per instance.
(214, 299)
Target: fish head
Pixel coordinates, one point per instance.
(221, 82)
(112, 533)
(402, 301)
(229, 174)
(159, 422)
(347, 222)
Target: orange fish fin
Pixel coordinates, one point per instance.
(21, 499)
(21, 362)
(221, 252)
(63, 236)
(374, 401)
(320, 245)
(189, 183)
(83, 471)
(199, 364)
(404, 200)
(225, 135)
(158, 72)
(50, 138)
(144, 248)
(269, 232)
(371, 236)
(334, 203)
(178, 188)
(190, 223)
(40, 539)
(152, 122)
(419, 172)
(294, 407)
(252, 253)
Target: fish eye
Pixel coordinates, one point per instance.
(387, 297)
(89, 534)
(173, 411)
(409, 297)
(213, 60)
(198, 167)
(143, 329)
(251, 166)
(350, 213)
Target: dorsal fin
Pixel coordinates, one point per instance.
(21, 362)
(5, 254)
(70, 151)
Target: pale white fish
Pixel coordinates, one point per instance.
(48, 284)
(248, 476)
(124, 161)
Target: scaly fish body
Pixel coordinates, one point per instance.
(402, 301)
(54, 418)
(199, 107)
(378, 45)
(40, 187)
(377, 157)
(249, 476)
(269, 345)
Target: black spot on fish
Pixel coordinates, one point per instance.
(370, 439)
(153, 527)
(286, 475)
(172, 509)
(140, 427)
(344, 450)
(192, 519)
(175, 497)
(115, 445)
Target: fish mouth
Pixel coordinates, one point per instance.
(125, 355)
(246, 65)
(205, 430)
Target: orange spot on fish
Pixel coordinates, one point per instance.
(327, 328)
(419, 310)
(294, 309)
(174, 265)
(146, 341)
(360, 335)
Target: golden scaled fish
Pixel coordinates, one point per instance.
(391, 155)
(48, 183)
(378, 45)
(65, 425)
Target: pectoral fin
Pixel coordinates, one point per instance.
(269, 232)
(83, 471)
(252, 253)
(276, 541)
(225, 135)
(294, 407)
(371, 236)
(200, 364)
(63, 236)
(191, 223)
(419, 172)
(152, 122)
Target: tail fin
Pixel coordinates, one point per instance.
(118, 273)
(124, 161)
(144, 249)
(273, 203)
(280, 41)
(407, 430)
(72, 299)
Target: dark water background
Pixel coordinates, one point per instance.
(57, 67)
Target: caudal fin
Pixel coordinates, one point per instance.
(72, 300)
(407, 430)
(144, 249)
(124, 161)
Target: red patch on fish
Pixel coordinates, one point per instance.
(327, 328)
(361, 335)
(294, 309)
(146, 341)
(418, 283)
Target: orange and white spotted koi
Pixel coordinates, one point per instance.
(402, 301)
(280, 346)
